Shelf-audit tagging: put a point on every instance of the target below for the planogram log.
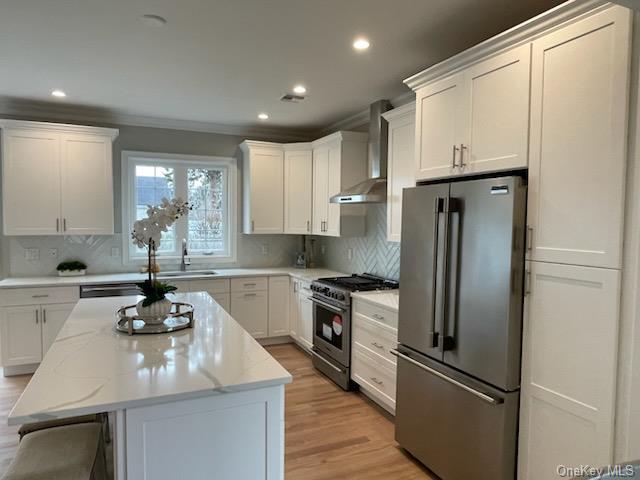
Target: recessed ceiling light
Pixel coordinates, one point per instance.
(151, 20)
(299, 89)
(263, 116)
(58, 93)
(361, 43)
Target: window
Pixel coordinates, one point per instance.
(207, 183)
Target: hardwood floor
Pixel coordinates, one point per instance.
(330, 434)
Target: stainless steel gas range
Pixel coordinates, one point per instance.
(332, 322)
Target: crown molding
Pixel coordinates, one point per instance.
(35, 110)
(58, 127)
(526, 32)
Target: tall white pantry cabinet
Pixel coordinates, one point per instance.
(551, 95)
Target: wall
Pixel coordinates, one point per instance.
(96, 251)
(371, 253)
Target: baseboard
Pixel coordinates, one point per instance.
(275, 340)
(19, 369)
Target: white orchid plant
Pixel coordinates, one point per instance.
(147, 233)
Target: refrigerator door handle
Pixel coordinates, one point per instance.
(473, 391)
(448, 342)
(438, 205)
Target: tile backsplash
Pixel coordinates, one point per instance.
(371, 253)
(97, 251)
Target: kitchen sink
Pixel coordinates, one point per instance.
(187, 273)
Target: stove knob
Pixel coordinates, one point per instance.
(340, 296)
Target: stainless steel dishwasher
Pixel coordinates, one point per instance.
(109, 290)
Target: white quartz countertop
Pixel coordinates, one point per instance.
(308, 274)
(92, 368)
(384, 298)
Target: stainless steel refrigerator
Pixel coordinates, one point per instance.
(460, 326)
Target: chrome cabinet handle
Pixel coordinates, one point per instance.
(44, 316)
(377, 345)
(482, 396)
(463, 147)
(453, 156)
(308, 225)
(57, 224)
(529, 239)
(249, 284)
(250, 294)
(37, 316)
(378, 317)
(376, 381)
(527, 282)
(44, 295)
(253, 226)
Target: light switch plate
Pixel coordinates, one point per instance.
(32, 254)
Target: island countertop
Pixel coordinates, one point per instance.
(91, 368)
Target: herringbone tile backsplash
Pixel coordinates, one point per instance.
(371, 253)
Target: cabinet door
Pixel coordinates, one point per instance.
(293, 309)
(53, 317)
(498, 113)
(278, 306)
(31, 182)
(320, 189)
(305, 325)
(439, 127)
(334, 186)
(20, 334)
(578, 137)
(266, 184)
(87, 185)
(569, 368)
(298, 191)
(250, 311)
(400, 169)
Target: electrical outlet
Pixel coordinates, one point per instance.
(350, 254)
(115, 252)
(53, 253)
(32, 254)
(265, 249)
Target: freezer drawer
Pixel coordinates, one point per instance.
(459, 433)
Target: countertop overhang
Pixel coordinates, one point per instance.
(91, 368)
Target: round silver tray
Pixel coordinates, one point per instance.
(181, 317)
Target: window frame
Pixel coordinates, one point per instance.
(132, 158)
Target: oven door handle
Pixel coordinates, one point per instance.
(328, 306)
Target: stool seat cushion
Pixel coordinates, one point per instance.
(33, 427)
(59, 453)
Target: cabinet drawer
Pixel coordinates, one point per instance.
(366, 371)
(375, 336)
(250, 310)
(379, 314)
(35, 296)
(221, 285)
(249, 284)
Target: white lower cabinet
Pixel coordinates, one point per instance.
(305, 324)
(373, 367)
(570, 340)
(301, 313)
(224, 300)
(28, 331)
(278, 306)
(249, 309)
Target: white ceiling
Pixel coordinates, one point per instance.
(223, 61)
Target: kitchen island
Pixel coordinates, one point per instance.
(201, 403)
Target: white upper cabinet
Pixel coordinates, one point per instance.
(298, 185)
(57, 176)
(339, 161)
(87, 184)
(580, 77)
(400, 164)
(263, 187)
(497, 113)
(439, 129)
(475, 120)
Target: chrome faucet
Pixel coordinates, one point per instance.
(183, 264)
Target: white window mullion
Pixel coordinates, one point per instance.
(181, 192)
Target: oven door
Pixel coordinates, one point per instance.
(332, 330)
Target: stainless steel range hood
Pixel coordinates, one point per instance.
(374, 189)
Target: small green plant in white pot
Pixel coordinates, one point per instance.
(147, 233)
(71, 268)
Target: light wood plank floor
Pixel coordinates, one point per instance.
(330, 434)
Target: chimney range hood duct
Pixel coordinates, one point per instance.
(374, 189)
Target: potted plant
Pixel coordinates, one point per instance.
(147, 232)
(71, 268)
